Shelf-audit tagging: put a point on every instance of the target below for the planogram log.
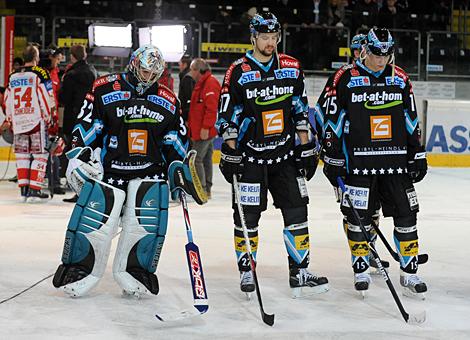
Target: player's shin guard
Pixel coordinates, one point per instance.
(91, 228)
(406, 243)
(240, 247)
(144, 225)
(359, 248)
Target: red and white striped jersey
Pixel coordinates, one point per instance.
(29, 99)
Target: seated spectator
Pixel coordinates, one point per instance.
(388, 14)
(365, 15)
(335, 13)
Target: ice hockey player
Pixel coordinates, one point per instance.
(320, 112)
(128, 132)
(30, 109)
(372, 140)
(263, 105)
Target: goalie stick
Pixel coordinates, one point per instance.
(409, 318)
(267, 318)
(198, 284)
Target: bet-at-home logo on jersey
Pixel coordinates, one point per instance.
(378, 100)
(270, 94)
(139, 114)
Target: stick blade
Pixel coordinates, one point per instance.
(268, 319)
(416, 319)
(181, 315)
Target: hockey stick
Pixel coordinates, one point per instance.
(267, 318)
(409, 318)
(422, 258)
(198, 284)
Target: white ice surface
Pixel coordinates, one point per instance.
(31, 239)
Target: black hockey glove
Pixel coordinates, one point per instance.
(334, 168)
(231, 162)
(306, 159)
(417, 165)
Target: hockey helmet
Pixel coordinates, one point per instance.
(264, 22)
(357, 41)
(147, 58)
(379, 42)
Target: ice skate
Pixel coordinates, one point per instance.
(361, 283)
(304, 283)
(413, 286)
(36, 196)
(247, 283)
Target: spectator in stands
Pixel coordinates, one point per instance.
(336, 13)
(186, 86)
(365, 14)
(246, 17)
(388, 14)
(314, 13)
(166, 79)
(76, 83)
(17, 63)
(202, 118)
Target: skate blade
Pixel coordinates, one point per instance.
(409, 293)
(362, 294)
(248, 295)
(300, 292)
(35, 200)
(376, 271)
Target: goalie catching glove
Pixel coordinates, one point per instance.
(84, 165)
(182, 175)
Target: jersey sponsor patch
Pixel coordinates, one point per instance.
(396, 81)
(48, 85)
(358, 248)
(139, 114)
(167, 95)
(302, 187)
(359, 81)
(90, 97)
(412, 199)
(270, 94)
(378, 100)
(381, 127)
(248, 77)
(18, 82)
(245, 67)
(359, 197)
(241, 246)
(116, 86)
(115, 97)
(273, 122)
(284, 73)
(250, 193)
(137, 141)
(162, 102)
(289, 63)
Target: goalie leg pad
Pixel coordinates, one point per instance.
(91, 228)
(144, 225)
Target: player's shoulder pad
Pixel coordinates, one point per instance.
(342, 71)
(166, 93)
(401, 73)
(42, 73)
(239, 63)
(287, 61)
(100, 81)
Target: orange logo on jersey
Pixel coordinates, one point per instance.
(381, 127)
(137, 141)
(273, 122)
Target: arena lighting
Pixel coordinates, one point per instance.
(110, 35)
(169, 39)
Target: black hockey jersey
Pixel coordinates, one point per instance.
(261, 105)
(370, 119)
(139, 135)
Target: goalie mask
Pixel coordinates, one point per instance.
(147, 65)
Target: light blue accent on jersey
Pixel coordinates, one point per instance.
(244, 126)
(319, 117)
(219, 122)
(237, 109)
(364, 67)
(297, 255)
(162, 102)
(411, 125)
(48, 85)
(265, 68)
(338, 127)
(172, 138)
(397, 81)
(346, 156)
(248, 77)
(104, 150)
(298, 105)
(88, 136)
